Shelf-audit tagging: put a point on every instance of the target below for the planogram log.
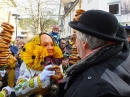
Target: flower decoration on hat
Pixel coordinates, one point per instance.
(34, 55)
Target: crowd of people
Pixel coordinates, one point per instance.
(93, 62)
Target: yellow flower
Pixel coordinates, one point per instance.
(27, 54)
(33, 55)
(40, 53)
(36, 40)
(57, 52)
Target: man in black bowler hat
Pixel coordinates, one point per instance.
(104, 69)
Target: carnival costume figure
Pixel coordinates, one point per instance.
(41, 66)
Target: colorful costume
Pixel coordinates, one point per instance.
(34, 58)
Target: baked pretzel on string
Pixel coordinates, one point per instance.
(58, 73)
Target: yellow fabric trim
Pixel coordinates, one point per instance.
(3, 93)
(31, 83)
(39, 82)
(11, 78)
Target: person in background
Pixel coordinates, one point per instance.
(17, 39)
(65, 62)
(63, 44)
(55, 33)
(104, 66)
(21, 43)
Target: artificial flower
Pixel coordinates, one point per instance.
(36, 40)
(57, 52)
(34, 55)
(27, 54)
(40, 53)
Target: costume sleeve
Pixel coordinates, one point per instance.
(27, 85)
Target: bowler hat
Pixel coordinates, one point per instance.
(99, 24)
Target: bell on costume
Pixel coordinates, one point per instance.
(54, 87)
(38, 95)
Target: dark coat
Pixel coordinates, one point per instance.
(105, 73)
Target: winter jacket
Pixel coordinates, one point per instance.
(104, 73)
(56, 37)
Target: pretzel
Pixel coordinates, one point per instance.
(3, 60)
(79, 12)
(6, 25)
(7, 39)
(72, 62)
(6, 35)
(2, 64)
(5, 52)
(74, 52)
(5, 32)
(8, 30)
(74, 57)
(58, 74)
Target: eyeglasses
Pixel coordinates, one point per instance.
(62, 43)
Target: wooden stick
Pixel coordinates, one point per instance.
(9, 16)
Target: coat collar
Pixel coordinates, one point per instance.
(96, 56)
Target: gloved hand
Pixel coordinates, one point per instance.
(46, 73)
(2, 73)
(8, 89)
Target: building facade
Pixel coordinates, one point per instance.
(120, 8)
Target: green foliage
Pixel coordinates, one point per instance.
(25, 23)
(46, 24)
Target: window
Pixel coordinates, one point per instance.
(114, 8)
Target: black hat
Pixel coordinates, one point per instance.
(99, 24)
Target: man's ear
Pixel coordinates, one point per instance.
(85, 45)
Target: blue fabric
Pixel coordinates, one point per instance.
(56, 37)
(14, 50)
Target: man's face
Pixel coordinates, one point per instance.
(55, 30)
(63, 44)
(65, 62)
(47, 42)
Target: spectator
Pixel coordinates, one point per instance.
(63, 44)
(55, 33)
